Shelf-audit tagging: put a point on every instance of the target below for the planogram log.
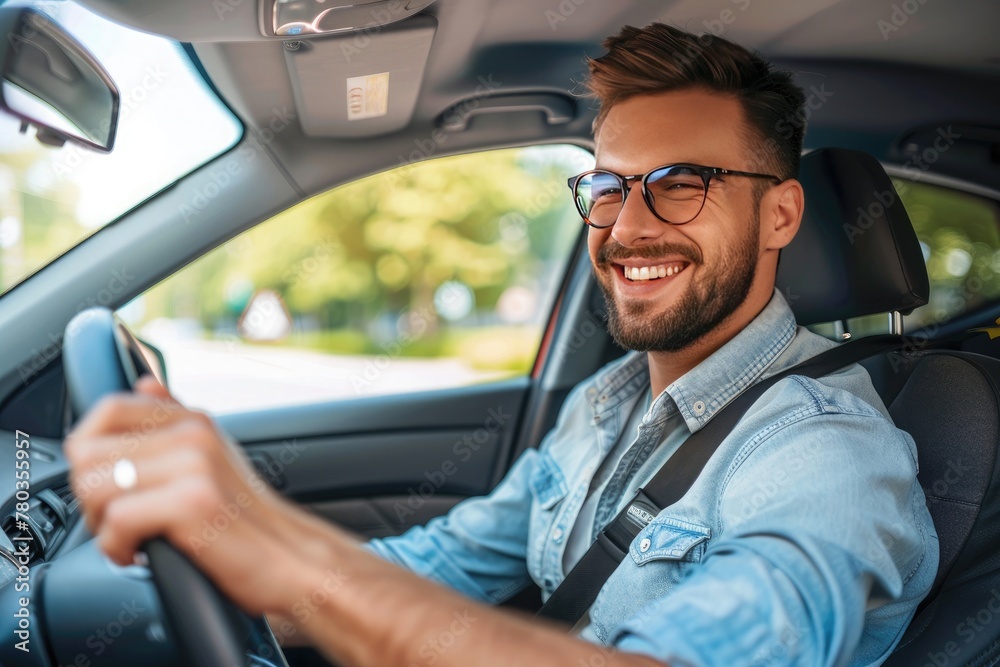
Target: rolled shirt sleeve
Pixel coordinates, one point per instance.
(479, 547)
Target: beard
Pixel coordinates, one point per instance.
(636, 325)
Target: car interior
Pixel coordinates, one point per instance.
(902, 100)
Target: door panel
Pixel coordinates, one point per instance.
(386, 516)
(379, 465)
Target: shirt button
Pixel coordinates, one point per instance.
(699, 407)
(557, 535)
(644, 545)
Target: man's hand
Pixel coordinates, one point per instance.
(194, 488)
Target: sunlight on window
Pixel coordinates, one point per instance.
(433, 275)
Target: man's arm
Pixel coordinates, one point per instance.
(360, 610)
(477, 549)
(376, 614)
(803, 562)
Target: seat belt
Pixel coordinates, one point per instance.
(577, 592)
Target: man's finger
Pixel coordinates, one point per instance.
(128, 413)
(133, 518)
(96, 487)
(151, 434)
(150, 386)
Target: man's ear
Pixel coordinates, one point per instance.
(781, 210)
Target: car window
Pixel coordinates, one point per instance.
(435, 274)
(959, 234)
(170, 122)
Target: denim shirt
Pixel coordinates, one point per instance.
(805, 541)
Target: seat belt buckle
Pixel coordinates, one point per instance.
(641, 510)
(636, 515)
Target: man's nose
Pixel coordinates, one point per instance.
(636, 224)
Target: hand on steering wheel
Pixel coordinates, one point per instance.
(144, 467)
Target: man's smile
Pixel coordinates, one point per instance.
(637, 273)
(642, 277)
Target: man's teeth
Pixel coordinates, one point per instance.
(652, 272)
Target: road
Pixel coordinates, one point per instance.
(230, 376)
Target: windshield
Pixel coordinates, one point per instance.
(170, 123)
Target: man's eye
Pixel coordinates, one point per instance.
(677, 186)
(605, 194)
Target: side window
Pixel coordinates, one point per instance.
(436, 274)
(959, 234)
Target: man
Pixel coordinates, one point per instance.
(805, 540)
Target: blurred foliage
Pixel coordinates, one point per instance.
(37, 215)
(358, 267)
(508, 348)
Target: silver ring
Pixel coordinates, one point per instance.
(124, 474)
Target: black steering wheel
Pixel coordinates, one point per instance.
(101, 356)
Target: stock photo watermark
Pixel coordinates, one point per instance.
(221, 178)
(898, 17)
(22, 541)
(914, 168)
(229, 512)
(464, 450)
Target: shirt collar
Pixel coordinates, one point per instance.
(712, 384)
(726, 373)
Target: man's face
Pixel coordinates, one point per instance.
(712, 259)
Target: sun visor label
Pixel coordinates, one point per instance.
(367, 96)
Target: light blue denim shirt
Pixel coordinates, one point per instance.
(805, 541)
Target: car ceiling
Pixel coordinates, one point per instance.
(876, 70)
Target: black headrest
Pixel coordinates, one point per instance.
(856, 252)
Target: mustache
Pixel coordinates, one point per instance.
(612, 250)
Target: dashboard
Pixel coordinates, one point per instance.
(37, 507)
(61, 601)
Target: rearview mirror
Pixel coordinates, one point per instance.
(49, 80)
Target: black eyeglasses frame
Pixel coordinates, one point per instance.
(706, 173)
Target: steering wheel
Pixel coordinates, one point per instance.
(101, 356)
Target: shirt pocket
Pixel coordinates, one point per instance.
(548, 488)
(666, 538)
(659, 558)
(548, 484)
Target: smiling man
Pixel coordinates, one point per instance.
(805, 540)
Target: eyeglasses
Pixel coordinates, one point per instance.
(674, 193)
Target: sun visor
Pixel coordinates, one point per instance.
(360, 84)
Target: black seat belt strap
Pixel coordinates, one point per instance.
(577, 592)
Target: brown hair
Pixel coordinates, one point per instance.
(660, 58)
